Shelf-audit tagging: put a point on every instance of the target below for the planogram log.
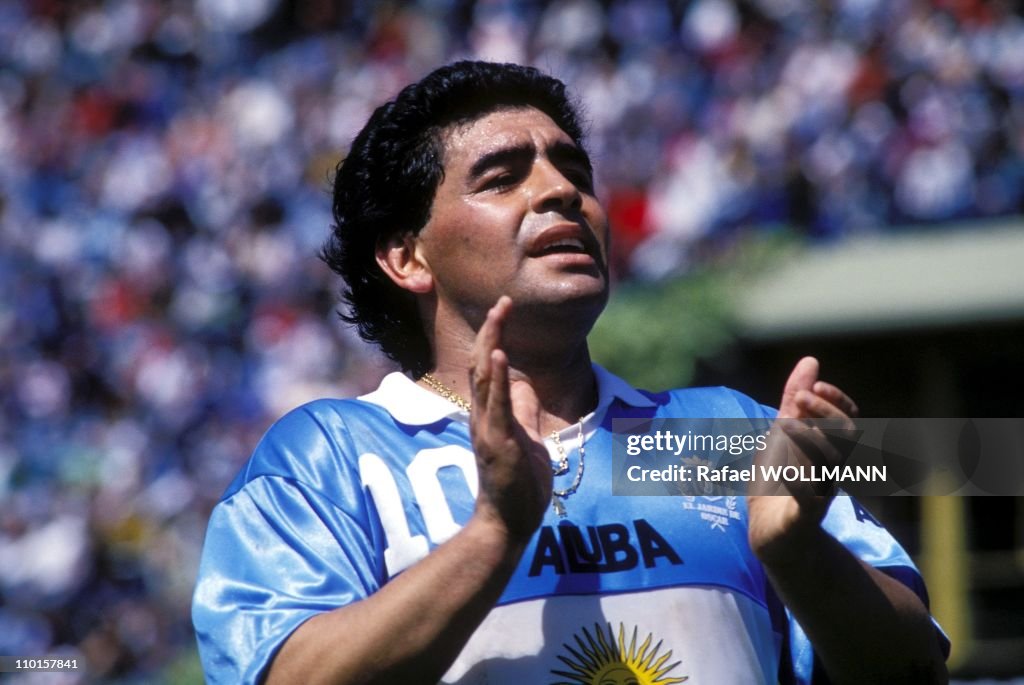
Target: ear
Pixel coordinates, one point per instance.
(401, 258)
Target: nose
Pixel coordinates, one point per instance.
(553, 190)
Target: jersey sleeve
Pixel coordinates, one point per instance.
(282, 546)
(850, 523)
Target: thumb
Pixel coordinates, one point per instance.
(803, 377)
(526, 407)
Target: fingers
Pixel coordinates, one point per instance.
(512, 463)
(488, 340)
(798, 441)
(837, 397)
(489, 336)
(814, 406)
(489, 374)
(526, 408)
(804, 396)
(498, 409)
(812, 444)
(803, 376)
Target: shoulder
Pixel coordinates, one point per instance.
(709, 402)
(313, 441)
(326, 419)
(851, 523)
(699, 402)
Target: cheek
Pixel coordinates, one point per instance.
(471, 246)
(488, 229)
(473, 241)
(598, 220)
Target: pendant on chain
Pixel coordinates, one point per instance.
(558, 497)
(559, 506)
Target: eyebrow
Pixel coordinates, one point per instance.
(560, 152)
(563, 152)
(504, 156)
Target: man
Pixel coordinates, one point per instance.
(457, 524)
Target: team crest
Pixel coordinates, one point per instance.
(601, 659)
(717, 511)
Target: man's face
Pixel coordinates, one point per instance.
(516, 214)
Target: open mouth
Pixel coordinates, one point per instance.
(564, 246)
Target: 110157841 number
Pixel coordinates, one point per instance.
(13, 664)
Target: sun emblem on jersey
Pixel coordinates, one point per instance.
(601, 659)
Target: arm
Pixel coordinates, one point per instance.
(865, 626)
(416, 625)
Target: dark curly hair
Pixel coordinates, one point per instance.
(385, 186)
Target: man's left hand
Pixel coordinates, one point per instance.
(783, 512)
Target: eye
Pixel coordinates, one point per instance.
(500, 180)
(580, 177)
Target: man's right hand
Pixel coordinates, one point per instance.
(513, 463)
(413, 627)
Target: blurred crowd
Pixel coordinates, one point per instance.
(164, 176)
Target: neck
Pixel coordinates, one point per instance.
(566, 388)
(564, 384)
(546, 347)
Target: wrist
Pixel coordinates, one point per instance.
(786, 545)
(495, 540)
(515, 518)
(781, 538)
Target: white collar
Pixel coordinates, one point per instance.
(413, 405)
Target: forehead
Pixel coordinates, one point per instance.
(500, 129)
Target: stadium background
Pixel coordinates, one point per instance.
(163, 176)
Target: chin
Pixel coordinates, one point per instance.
(566, 301)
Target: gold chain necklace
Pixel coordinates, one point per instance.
(446, 392)
(558, 497)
